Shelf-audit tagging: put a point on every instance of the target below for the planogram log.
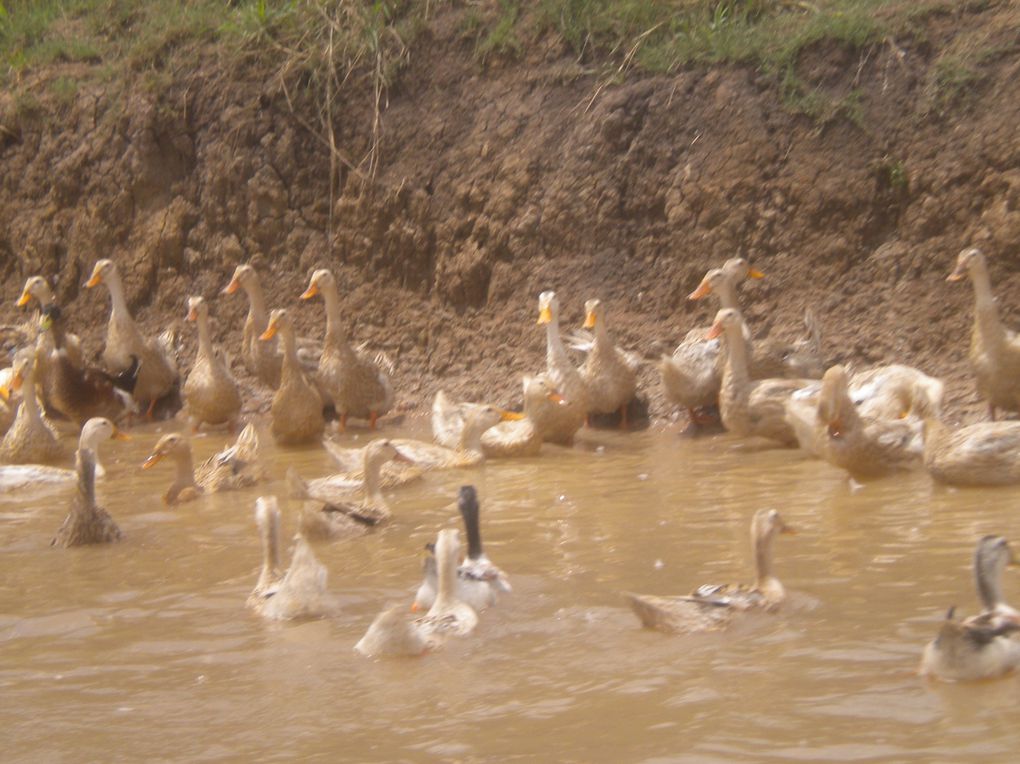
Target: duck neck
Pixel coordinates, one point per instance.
(986, 312)
(473, 531)
(555, 352)
(185, 471)
(335, 333)
(86, 478)
(989, 584)
(736, 356)
(291, 364)
(727, 292)
(270, 551)
(205, 346)
(373, 480)
(118, 303)
(471, 435)
(28, 395)
(257, 314)
(763, 557)
(446, 588)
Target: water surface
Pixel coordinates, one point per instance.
(144, 649)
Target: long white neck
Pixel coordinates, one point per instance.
(118, 303)
(727, 292)
(334, 326)
(763, 557)
(555, 352)
(986, 313)
(736, 353)
(256, 305)
(28, 394)
(471, 434)
(446, 590)
(373, 481)
(205, 346)
(270, 551)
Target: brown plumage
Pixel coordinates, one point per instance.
(87, 522)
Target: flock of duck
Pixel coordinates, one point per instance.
(869, 423)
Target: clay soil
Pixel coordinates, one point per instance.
(494, 182)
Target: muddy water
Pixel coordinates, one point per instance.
(144, 649)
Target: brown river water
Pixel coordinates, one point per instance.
(144, 650)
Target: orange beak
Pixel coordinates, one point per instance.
(152, 461)
(26, 296)
(714, 332)
(269, 333)
(556, 398)
(958, 273)
(589, 321)
(192, 314)
(94, 279)
(511, 416)
(752, 273)
(313, 289)
(789, 530)
(5, 393)
(544, 315)
(704, 289)
(16, 381)
(120, 435)
(232, 287)
(415, 607)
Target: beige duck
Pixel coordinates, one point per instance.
(234, 467)
(713, 607)
(610, 376)
(356, 382)
(563, 421)
(338, 513)
(210, 390)
(866, 447)
(479, 581)
(351, 463)
(986, 453)
(755, 408)
(515, 435)
(157, 373)
(979, 647)
(296, 410)
(393, 634)
(994, 349)
(8, 405)
(37, 477)
(37, 288)
(262, 358)
(31, 438)
(298, 593)
(87, 522)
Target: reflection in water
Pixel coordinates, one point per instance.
(152, 633)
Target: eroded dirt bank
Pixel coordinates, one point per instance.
(492, 185)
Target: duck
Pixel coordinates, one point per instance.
(351, 461)
(984, 453)
(7, 406)
(81, 392)
(296, 409)
(338, 508)
(610, 376)
(158, 376)
(234, 467)
(513, 435)
(752, 408)
(866, 447)
(20, 477)
(563, 421)
(479, 580)
(896, 391)
(714, 607)
(301, 591)
(86, 522)
(994, 349)
(393, 634)
(358, 384)
(966, 651)
(37, 288)
(31, 438)
(979, 647)
(210, 390)
(262, 358)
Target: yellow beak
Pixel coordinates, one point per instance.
(120, 435)
(151, 461)
(589, 321)
(704, 289)
(313, 289)
(5, 393)
(16, 381)
(544, 315)
(94, 279)
(269, 333)
(26, 296)
(511, 416)
(958, 273)
(752, 273)
(232, 287)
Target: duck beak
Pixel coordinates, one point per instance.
(269, 333)
(714, 332)
(544, 315)
(5, 393)
(704, 289)
(556, 398)
(120, 435)
(23, 300)
(511, 416)
(94, 280)
(313, 289)
(232, 287)
(789, 530)
(152, 461)
(415, 607)
(16, 381)
(754, 273)
(958, 273)
(589, 321)
(192, 314)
